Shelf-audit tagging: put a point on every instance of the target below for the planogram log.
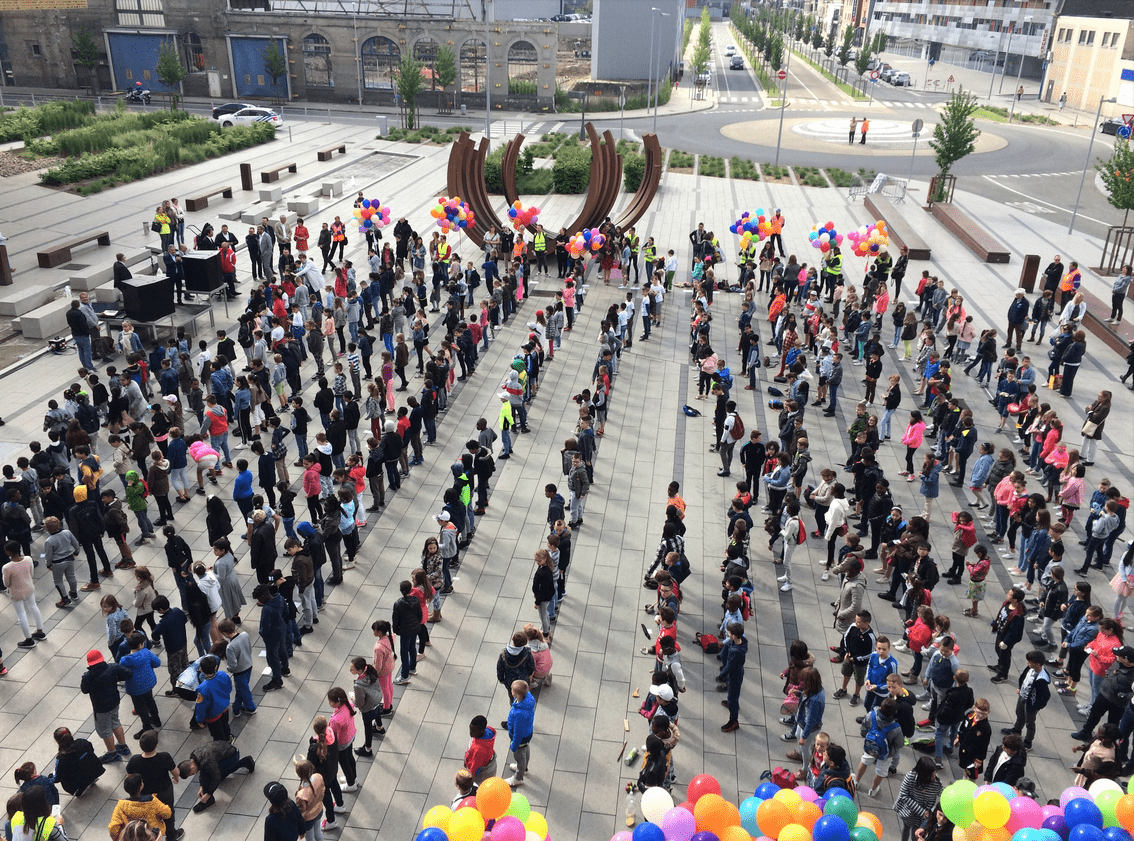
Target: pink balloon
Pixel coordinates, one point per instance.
(508, 828)
(807, 792)
(1072, 793)
(678, 824)
(1050, 811)
(622, 836)
(1025, 814)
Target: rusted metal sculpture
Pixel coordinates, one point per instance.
(466, 179)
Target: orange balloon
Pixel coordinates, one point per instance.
(711, 813)
(870, 821)
(1124, 811)
(1000, 833)
(735, 833)
(733, 818)
(806, 814)
(493, 798)
(771, 816)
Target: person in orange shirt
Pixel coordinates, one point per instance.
(863, 129)
(777, 223)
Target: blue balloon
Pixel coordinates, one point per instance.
(1117, 833)
(1083, 811)
(1057, 825)
(463, 223)
(830, 828)
(759, 211)
(814, 235)
(648, 832)
(366, 203)
(748, 816)
(1046, 834)
(1086, 832)
(1003, 788)
(586, 236)
(732, 229)
(766, 791)
(1025, 834)
(433, 833)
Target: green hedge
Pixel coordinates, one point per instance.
(743, 168)
(493, 165)
(711, 166)
(633, 170)
(27, 123)
(571, 172)
(682, 160)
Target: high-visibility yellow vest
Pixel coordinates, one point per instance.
(540, 242)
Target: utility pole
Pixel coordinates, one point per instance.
(487, 77)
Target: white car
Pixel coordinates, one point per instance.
(249, 116)
(730, 50)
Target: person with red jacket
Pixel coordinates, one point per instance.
(228, 267)
(480, 757)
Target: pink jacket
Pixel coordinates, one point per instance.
(1072, 492)
(1005, 492)
(384, 657)
(311, 480)
(882, 303)
(1049, 442)
(913, 435)
(342, 723)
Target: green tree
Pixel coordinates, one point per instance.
(444, 70)
(410, 83)
(700, 59)
(87, 55)
(862, 60)
(169, 71)
(844, 48)
(829, 44)
(800, 27)
(275, 66)
(955, 136)
(881, 42)
(736, 12)
(1118, 176)
(776, 59)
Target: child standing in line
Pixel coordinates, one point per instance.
(384, 659)
(978, 572)
(1076, 648)
(541, 654)
(368, 699)
(342, 723)
(1071, 493)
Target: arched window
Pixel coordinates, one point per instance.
(472, 66)
(522, 69)
(317, 62)
(380, 56)
(425, 51)
(194, 53)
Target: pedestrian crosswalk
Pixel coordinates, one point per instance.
(1035, 174)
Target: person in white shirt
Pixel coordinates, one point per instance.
(645, 311)
(659, 292)
(670, 269)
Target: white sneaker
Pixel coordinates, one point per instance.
(782, 579)
(513, 782)
(786, 588)
(926, 706)
(825, 576)
(514, 767)
(349, 789)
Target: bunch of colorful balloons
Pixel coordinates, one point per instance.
(824, 236)
(522, 217)
(869, 239)
(583, 241)
(371, 215)
(749, 224)
(495, 813)
(453, 214)
(781, 814)
(995, 813)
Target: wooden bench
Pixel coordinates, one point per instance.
(957, 222)
(326, 154)
(270, 175)
(60, 253)
(901, 232)
(200, 202)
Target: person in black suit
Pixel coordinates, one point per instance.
(121, 270)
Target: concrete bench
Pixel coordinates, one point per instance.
(60, 253)
(270, 175)
(957, 222)
(107, 294)
(271, 194)
(25, 299)
(303, 207)
(46, 321)
(328, 153)
(332, 188)
(901, 232)
(200, 202)
(232, 215)
(94, 276)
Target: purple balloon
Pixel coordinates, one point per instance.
(705, 835)
(1057, 825)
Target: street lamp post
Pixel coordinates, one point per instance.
(783, 104)
(653, 74)
(650, 63)
(1007, 52)
(995, 58)
(1087, 162)
(487, 77)
(1019, 73)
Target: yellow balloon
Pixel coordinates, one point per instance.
(991, 809)
(467, 824)
(794, 832)
(735, 833)
(438, 816)
(788, 797)
(870, 821)
(536, 823)
(998, 834)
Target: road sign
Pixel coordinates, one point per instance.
(622, 96)
(917, 126)
(782, 75)
(874, 76)
(950, 80)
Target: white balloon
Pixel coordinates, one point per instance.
(1099, 786)
(656, 801)
(531, 836)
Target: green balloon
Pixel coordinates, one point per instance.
(842, 807)
(1107, 801)
(957, 802)
(519, 808)
(862, 833)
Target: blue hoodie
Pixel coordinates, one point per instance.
(142, 662)
(214, 696)
(521, 721)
